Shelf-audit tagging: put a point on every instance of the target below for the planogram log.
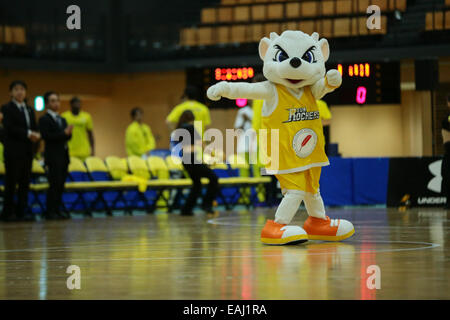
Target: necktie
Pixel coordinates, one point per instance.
(27, 116)
(59, 121)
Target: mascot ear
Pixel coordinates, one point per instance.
(263, 46)
(324, 48)
(315, 36)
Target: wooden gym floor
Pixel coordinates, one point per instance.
(166, 256)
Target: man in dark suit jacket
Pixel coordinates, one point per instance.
(19, 135)
(56, 133)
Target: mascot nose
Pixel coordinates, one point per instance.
(295, 62)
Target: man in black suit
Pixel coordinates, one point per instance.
(56, 133)
(19, 135)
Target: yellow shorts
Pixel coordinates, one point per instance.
(307, 181)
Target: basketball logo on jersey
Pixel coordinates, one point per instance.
(304, 142)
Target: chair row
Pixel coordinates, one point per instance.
(154, 167)
(437, 20)
(115, 168)
(254, 11)
(166, 194)
(36, 169)
(244, 33)
(97, 185)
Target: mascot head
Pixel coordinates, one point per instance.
(294, 59)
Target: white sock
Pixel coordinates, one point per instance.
(314, 205)
(289, 206)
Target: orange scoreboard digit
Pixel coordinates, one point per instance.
(366, 83)
(234, 74)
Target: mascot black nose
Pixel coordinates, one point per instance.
(295, 62)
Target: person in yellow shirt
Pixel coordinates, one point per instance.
(81, 145)
(190, 100)
(325, 116)
(139, 140)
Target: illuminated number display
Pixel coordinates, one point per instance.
(233, 74)
(361, 94)
(361, 70)
(366, 83)
(205, 77)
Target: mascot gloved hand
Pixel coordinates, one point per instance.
(294, 64)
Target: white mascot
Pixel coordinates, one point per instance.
(294, 64)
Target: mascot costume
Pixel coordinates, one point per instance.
(294, 64)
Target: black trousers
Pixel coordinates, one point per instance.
(446, 173)
(56, 175)
(196, 172)
(17, 172)
(326, 134)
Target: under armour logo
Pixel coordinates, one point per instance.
(435, 184)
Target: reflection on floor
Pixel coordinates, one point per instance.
(166, 256)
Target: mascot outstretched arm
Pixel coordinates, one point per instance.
(294, 64)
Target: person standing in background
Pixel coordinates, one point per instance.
(56, 134)
(139, 140)
(325, 116)
(245, 143)
(82, 143)
(446, 161)
(190, 101)
(195, 170)
(19, 135)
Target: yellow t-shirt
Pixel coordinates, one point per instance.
(79, 145)
(200, 111)
(301, 141)
(139, 139)
(325, 113)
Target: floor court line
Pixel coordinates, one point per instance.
(425, 245)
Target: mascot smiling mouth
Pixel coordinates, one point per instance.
(294, 81)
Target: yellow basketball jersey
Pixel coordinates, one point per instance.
(301, 143)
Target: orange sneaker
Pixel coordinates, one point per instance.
(279, 234)
(329, 229)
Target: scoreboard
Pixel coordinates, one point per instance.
(203, 78)
(366, 83)
(362, 83)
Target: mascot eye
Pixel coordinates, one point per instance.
(309, 56)
(281, 56)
